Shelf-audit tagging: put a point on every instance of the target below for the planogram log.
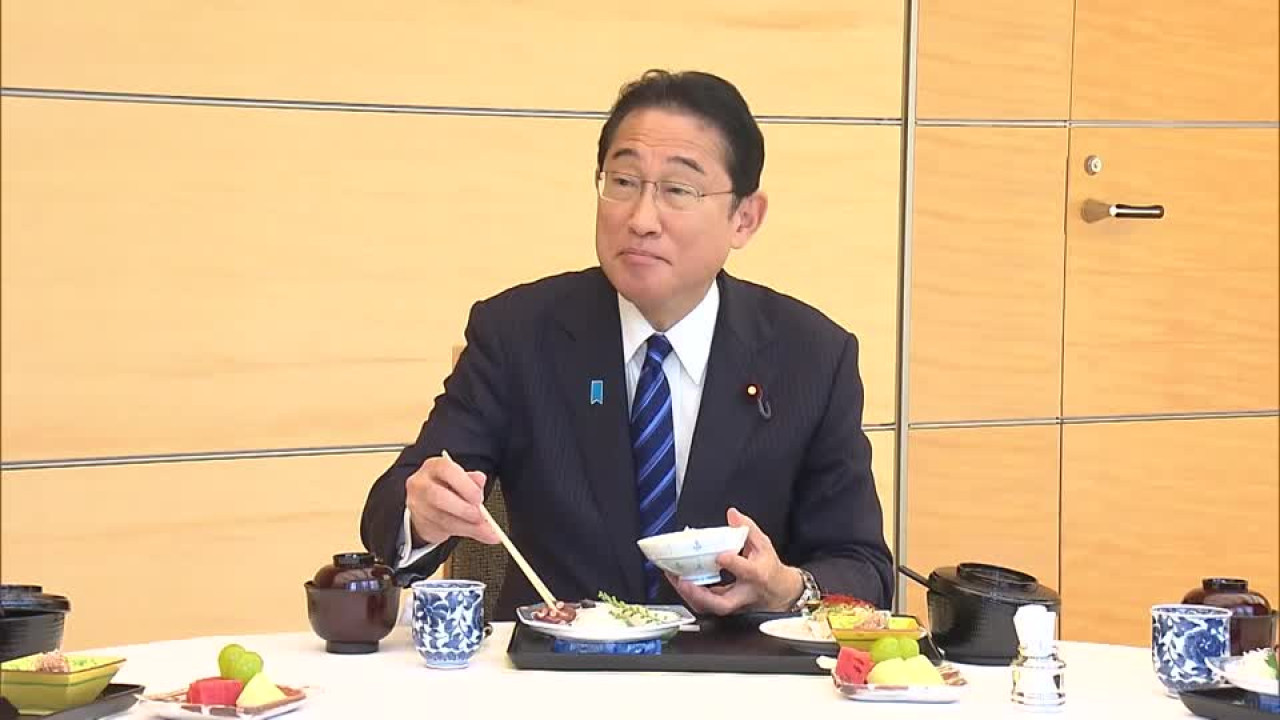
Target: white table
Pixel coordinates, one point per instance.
(1102, 681)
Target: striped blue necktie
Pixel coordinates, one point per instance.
(653, 446)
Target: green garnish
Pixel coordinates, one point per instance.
(632, 615)
(1271, 660)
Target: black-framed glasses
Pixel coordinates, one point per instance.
(671, 195)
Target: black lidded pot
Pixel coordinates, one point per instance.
(31, 621)
(971, 608)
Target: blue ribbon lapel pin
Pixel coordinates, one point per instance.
(597, 392)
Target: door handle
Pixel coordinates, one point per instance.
(1093, 211)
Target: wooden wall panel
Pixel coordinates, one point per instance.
(187, 278)
(986, 283)
(982, 495)
(229, 542)
(1160, 60)
(1150, 508)
(158, 552)
(826, 58)
(1180, 314)
(831, 238)
(1000, 59)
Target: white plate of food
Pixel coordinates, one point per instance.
(177, 706)
(951, 690)
(797, 632)
(1254, 671)
(813, 631)
(947, 685)
(609, 620)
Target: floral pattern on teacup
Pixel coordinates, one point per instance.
(448, 621)
(1183, 638)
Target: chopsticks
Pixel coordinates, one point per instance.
(536, 581)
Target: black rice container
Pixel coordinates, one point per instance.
(30, 620)
(971, 607)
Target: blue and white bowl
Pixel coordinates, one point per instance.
(448, 621)
(1183, 640)
(691, 553)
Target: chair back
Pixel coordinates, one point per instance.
(472, 560)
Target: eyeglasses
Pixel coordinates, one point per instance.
(671, 195)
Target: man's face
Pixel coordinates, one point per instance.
(664, 260)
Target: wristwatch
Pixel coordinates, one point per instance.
(810, 596)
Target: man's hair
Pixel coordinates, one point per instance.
(711, 99)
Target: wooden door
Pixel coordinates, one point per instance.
(1178, 314)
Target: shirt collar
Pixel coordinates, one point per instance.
(690, 338)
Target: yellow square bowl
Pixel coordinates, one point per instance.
(864, 639)
(41, 692)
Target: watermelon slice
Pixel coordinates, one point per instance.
(853, 666)
(214, 691)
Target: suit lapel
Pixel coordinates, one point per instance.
(589, 350)
(726, 415)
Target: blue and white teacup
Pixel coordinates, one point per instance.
(448, 621)
(1183, 640)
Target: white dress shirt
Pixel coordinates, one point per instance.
(685, 367)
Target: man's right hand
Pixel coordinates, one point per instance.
(444, 501)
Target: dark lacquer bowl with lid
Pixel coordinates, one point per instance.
(353, 603)
(31, 620)
(1253, 622)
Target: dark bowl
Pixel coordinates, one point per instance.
(352, 621)
(1253, 632)
(27, 632)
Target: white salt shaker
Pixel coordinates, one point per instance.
(1037, 670)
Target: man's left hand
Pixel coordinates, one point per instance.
(762, 582)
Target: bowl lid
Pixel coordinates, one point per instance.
(31, 597)
(993, 582)
(354, 560)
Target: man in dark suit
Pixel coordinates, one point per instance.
(652, 393)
